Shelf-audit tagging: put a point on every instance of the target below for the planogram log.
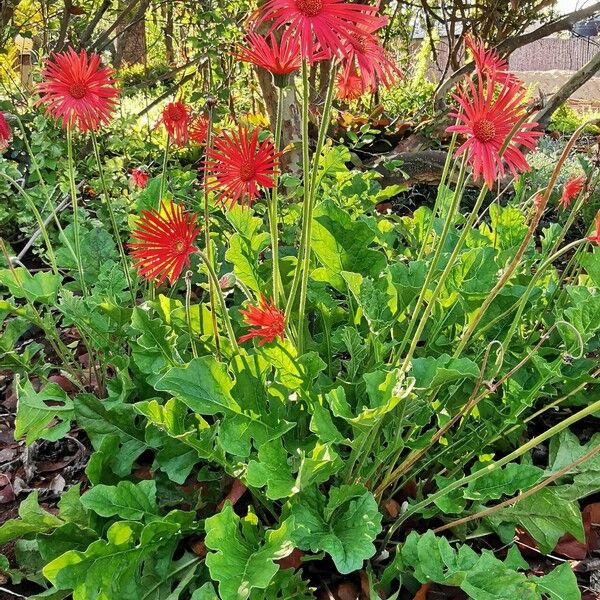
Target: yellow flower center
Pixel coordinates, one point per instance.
(484, 130)
(310, 8)
(77, 90)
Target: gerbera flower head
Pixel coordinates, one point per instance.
(349, 85)
(199, 130)
(165, 241)
(487, 119)
(329, 23)
(571, 190)
(5, 132)
(267, 320)
(139, 178)
(240, 165)
(280, 59)
(596, 237)
(487, 62)
(77, 91)
(364, 53)
(176, 118)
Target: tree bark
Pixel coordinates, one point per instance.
(131, 40)
(291, 126)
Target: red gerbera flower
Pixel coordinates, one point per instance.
(166, 240)
(199, 130)
(240, 165)
(5, 132)
(279, 59)
(487, 120)
(77, 90)
(268, 322)
(176, 119)
(330, 22)
(350, 85)
(487, 62)
(571, 190)
(364, 52)
(139, 177)
(596, 236)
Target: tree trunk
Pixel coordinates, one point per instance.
(131, 39)
(292, 123)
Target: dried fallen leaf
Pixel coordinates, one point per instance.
(422, 593)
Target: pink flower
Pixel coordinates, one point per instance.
(596, 236)
(240, 166)
(139, 178)
(5, 132)
(487, 120)
(176, 118)
(77, 90)
(268, 322)
(329, 23)
(571, 190)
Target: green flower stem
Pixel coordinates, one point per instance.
(510, 269)
(213, 276)
(113, 220)
(73, 188)
(434, 262)
(188, 315)
(439, 195)
(38, 172)
(442, 279)
(466, 408)
(207, 243)
(415, 508)
(303, 266)
(163, 177)
(490, 510)
(59, 347)
(525, 297)
(273, 207)
(306, 191)
(38, 218)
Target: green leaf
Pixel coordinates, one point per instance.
(293, 371)
(377, 299)
(99, 422)
(432, 372)
(503, 482)
(245, 246)
(347, 535)
(546, 517)
(126, 500)
(112, 568)
(38, 420)
(33, 519)
(341, 244)
(584, 479)
(271, 469)
(206, 592)
(559, 584)
(153, 350)
(42, 287)
(205, 386)
(239, 562)
(482, 577)
(190, 435)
